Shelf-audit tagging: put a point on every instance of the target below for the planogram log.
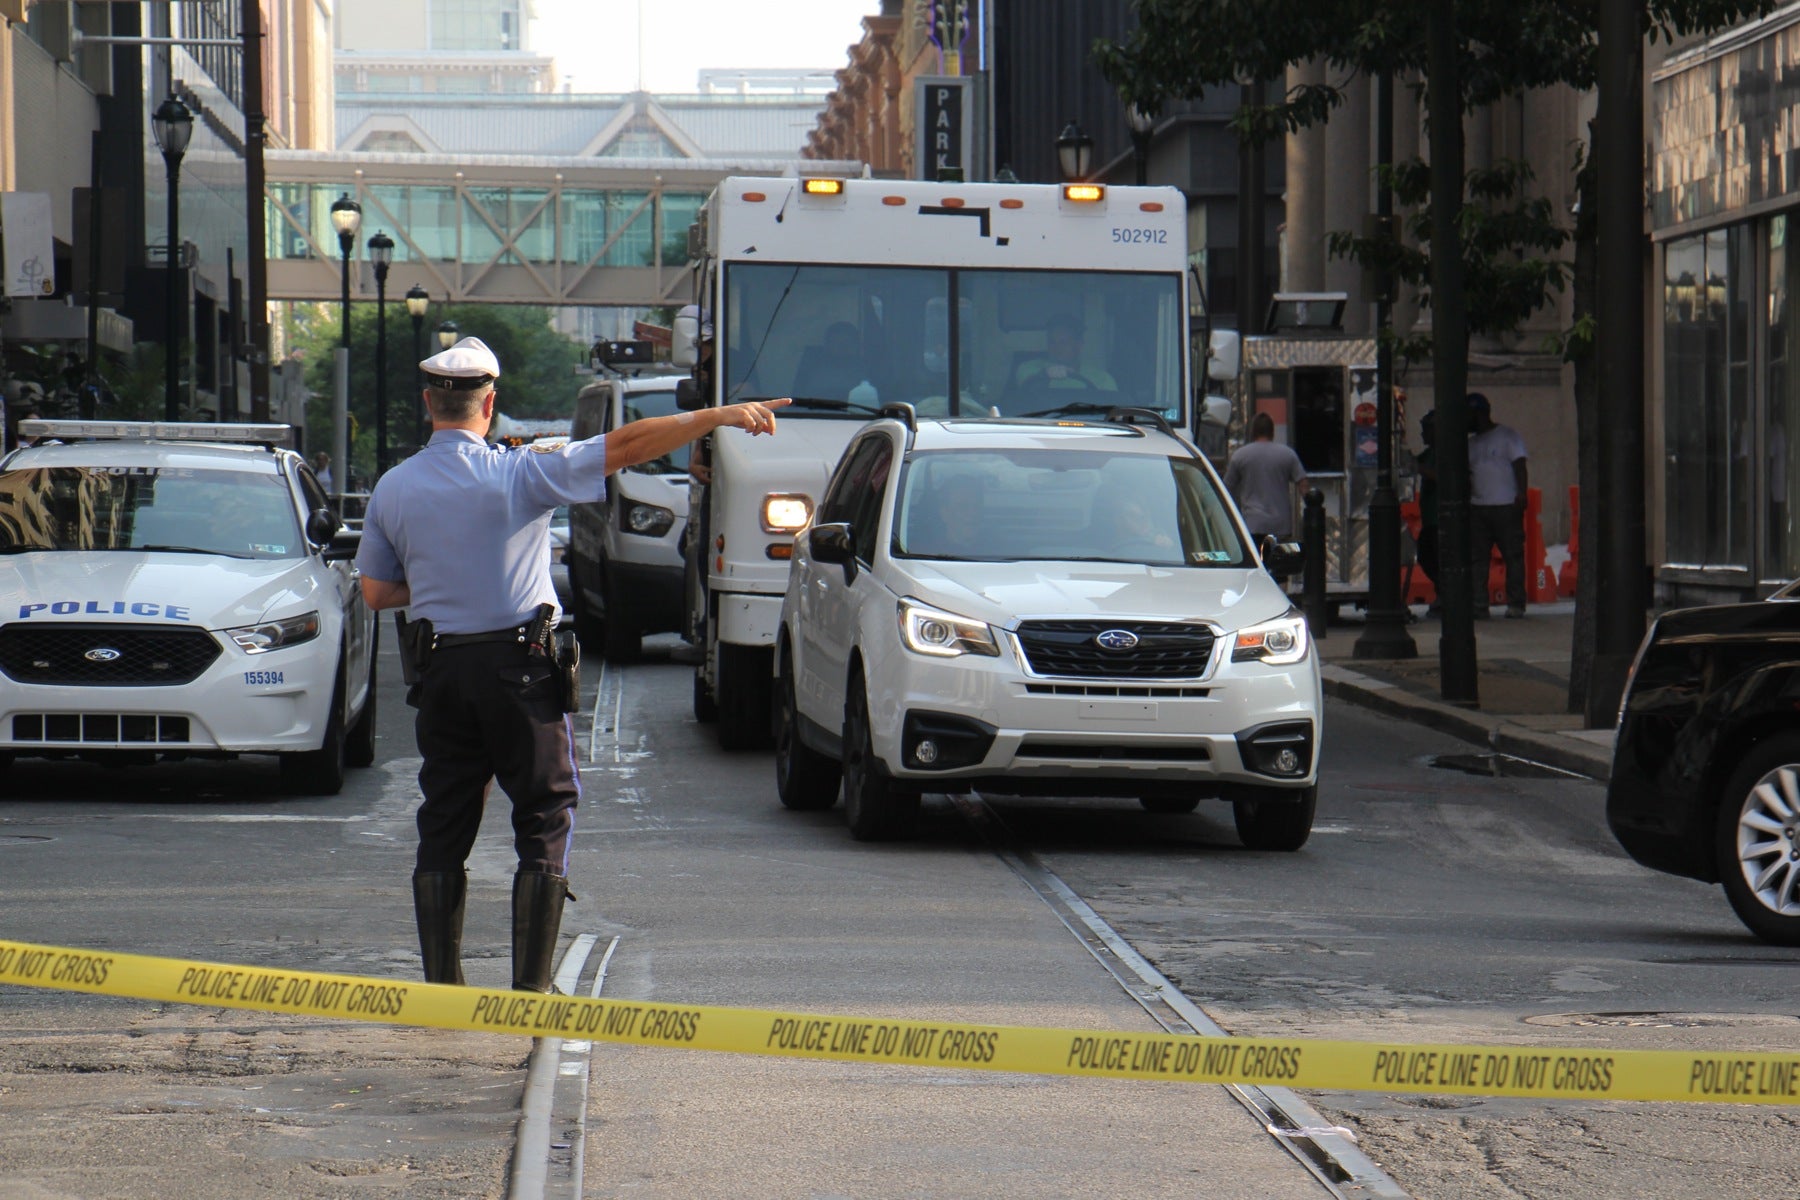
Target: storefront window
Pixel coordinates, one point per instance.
(1708, 424)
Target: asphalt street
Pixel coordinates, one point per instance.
(1431, 904)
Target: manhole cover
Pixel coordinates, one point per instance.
(15, 839)
(1662, 1020)
(1494, 766)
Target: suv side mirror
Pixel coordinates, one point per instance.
(321, 526)
(688, 395)
(1282, 558)
(834, 543)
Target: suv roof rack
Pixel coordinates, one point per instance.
(270, 436)
(1124, 415)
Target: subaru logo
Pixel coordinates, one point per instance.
(108, 654)
(1116, 639)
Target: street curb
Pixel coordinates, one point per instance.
(1503, 737)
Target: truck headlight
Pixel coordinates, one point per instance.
(1279, 643)
(647, 520)
(275, 635)
(786, 512)
(933, 631)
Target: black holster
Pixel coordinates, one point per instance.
(568, 671)
(415, 653)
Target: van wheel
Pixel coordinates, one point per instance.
(1757, 836)
(874, 806)
(321, 772)
(588, 629)
(359, 742)
(1276, 818)
(745, 687)
(620, 641)
(806, 780)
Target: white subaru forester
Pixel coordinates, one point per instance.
(1040, 607)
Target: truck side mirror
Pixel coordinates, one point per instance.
(833, 543)
(684, 339)
(1224, 354)
(688, 395)
(1215, 410)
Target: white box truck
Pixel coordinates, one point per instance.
(959, 299)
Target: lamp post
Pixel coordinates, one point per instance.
(173, 124)
(381, 254)
(1143, 124)
(418, 302)
(346, 218)
(447, 334)
(1074, 153)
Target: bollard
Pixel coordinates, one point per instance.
(1312, 547)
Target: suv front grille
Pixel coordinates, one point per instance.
(141, 655)
(1163, 649)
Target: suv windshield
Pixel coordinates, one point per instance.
(240, 514)
(1084, 506)
(656, 404)
(846, 340)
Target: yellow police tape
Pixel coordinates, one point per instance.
(1720, 1076)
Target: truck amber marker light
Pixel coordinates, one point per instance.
(824, 187)
(1083, 191)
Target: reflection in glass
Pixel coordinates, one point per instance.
(239, 514)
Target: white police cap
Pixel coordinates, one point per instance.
(463, 367)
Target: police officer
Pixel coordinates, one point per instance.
(458, 534)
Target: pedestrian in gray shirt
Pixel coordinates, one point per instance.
(1261, 477)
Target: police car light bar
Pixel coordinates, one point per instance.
(157, 431)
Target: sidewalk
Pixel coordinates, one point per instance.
(1523, 684)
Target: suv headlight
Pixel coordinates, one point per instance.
(275, 635)
(786, 512)
(649, 520)
(1279, 643)
(933, 631)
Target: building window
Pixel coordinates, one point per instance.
(476, 25)
(1708, 425)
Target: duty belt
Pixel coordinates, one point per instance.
(449, 641)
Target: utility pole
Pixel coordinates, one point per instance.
(1450, 358)
(256, 209)
(1251, 185)
(1622, 593)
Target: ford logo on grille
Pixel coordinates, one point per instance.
(1116, 639)
(108, 654)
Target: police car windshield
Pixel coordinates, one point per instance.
(659, 403)
(239, 514)
(1063, 506)
(845, 340)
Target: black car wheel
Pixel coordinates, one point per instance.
(1275, 818)
(1758, 840)
(874, 806)
(806, 780)
(620, 641)
(359, 739)
(321, 772)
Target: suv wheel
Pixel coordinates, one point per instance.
(1275, 818)
(744, 689)
(321, 772)
(806, 780)
(874, 806)
(1757, 836)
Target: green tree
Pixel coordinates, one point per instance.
(537, 368)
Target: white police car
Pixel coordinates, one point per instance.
(179, 590)
(1041, 607)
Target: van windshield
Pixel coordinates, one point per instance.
(660, 403)
(237, 514)
(843, 340)
(1083, 506)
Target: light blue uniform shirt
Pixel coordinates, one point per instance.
(466, 526)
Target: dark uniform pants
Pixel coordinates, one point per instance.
(1499, 525)
(491, 711)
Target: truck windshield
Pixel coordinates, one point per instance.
(1081, 506)
(237, 514)
(845, 340)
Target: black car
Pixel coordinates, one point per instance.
(1706, 767)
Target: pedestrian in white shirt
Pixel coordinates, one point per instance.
(1498, 484)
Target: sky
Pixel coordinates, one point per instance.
(596, 43)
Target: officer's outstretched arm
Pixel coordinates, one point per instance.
(652, 437)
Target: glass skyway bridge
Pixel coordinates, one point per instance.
(497, 229)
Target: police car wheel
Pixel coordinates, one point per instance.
(1275, 818)
(875, 807)
(321, 772)
(1757, 838)
(806, 780)
(1169, 804)
(359, 742)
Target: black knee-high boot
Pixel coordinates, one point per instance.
(438, 905)
(537, 916)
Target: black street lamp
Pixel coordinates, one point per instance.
(346, 218)
(381, 254)
(418, 302)
(1074, 153)
(1143, 124)
(447, 333)
(173, 124)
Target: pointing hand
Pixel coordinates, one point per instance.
(753, 416)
